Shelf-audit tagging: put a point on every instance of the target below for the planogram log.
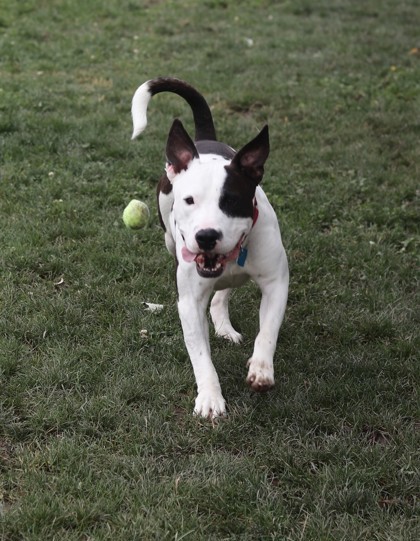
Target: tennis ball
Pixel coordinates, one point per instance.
(136, 214)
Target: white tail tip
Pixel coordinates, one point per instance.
(139, 105)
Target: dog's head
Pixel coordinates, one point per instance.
(214, 198)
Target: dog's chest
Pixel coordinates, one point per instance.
(233, 276)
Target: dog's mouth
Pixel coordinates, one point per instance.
(208, 264)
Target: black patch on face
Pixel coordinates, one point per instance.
(238, 192)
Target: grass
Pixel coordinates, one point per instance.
(97, 440)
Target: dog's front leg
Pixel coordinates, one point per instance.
(273, 305)
(194, 295)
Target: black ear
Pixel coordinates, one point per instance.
(251, 158)
(180, 149)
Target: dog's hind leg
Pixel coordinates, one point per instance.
(219, 311)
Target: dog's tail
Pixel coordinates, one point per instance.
(203, 120)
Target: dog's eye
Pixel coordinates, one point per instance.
(189, 200)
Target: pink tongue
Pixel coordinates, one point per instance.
(187, 255)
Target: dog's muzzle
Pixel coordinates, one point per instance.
(209, 264)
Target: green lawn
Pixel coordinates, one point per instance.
(97, 439)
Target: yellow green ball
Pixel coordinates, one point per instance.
(136, 214)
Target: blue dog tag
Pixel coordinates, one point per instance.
(243, 252)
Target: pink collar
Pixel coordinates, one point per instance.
(255, 215)
(242, 254)
(239, 250)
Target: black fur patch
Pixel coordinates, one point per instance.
(236, 199)
(243, 175)
(238, 192)
(164, 186)
(203, 120)
(215, 147)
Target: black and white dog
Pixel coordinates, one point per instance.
(222, 231)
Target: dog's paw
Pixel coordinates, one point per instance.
(260, 375)
(210, 404)
(230, 334)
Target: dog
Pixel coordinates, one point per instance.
(222, 231)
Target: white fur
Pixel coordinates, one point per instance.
(139, 105)
(203, 181)
(266, 265)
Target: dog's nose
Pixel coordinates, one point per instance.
(207, 238)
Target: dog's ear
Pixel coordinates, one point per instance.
(180, 149)
(251, 158)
